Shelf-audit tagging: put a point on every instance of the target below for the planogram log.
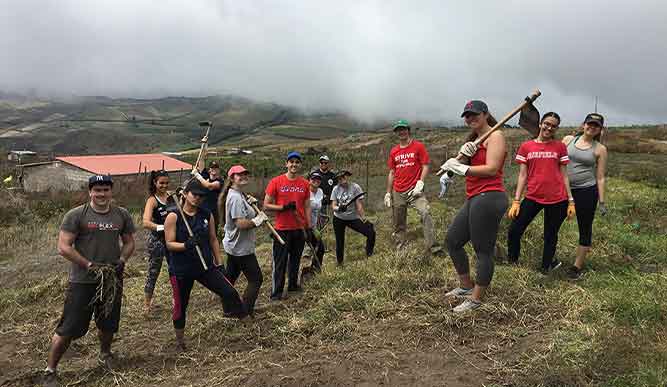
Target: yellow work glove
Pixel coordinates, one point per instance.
(571, 211)
(514, 210)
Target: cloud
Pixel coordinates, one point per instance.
(370, 58)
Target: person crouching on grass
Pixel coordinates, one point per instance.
(88, 237)
(543, 174)
(288, 195)
(155, 211)
(348, 213)
(185, 266)
(479, 219)
(586, 172)
(239, 223)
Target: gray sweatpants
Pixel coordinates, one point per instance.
(477, 221)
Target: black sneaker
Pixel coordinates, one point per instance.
(296, 289)
(108, 360)
(555, 264)
(276, 298)
(49, 379)
(574, 273)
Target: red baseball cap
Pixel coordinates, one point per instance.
(236, 169)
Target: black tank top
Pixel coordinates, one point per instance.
(160, 212)
(187, 263)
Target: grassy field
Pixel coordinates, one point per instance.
(377, 321)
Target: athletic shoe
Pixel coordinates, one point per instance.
(107, 359)
(574, 273)
(181, 347)
(50, 379)
(276, 298)
(468, 304)
(459, 292)
(296, 289)
(555, 264)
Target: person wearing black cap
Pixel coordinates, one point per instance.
(408, 164)
(348, 210)
(185, 266)
(586, 171)
(211, 180)
(89, 236)
(288, 195)
(329, 181)
(314, 238)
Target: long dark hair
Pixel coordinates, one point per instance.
(154, 176)
(597, 137)
(490, 119)
(222, 200)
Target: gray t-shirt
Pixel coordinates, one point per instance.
(97, 237)
(236, 241)
(343, 195)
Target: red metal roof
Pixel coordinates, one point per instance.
(125, 164)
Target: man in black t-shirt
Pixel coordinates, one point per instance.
(329, 181)
(213, 181)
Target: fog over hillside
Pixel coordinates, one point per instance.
(373, 59)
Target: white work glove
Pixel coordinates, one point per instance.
(468, 149)
(445, 181)
(387, 199)
(195, 173)
(455, 166)
(251, 200)
(417, 189)
(259, 219)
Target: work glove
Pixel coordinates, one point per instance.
(571, 211)
(468, 149)
(195, 173)
(445, 181)
(455, 166)
(514, 209)
(251, 200)
(259, 219)
(603, 208)
(204, 139)
(417, 189)
(289, 206)
(192, 242)
(387, 199)
(342, 208)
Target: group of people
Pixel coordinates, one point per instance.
(562, 177)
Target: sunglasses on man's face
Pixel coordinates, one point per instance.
(324, 162)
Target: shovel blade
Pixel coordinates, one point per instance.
(529, 119)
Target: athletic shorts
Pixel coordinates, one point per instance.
(79, 309)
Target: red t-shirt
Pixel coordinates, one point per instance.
(284, 190)
(475, 185)
(407, 164)
(545, 181)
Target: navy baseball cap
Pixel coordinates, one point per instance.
(315, 175)
(196, 187)
(99, 180)
(475, 106)
(595, 117)
(294, 154)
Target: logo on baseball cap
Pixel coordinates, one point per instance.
(594, 117)
(99, 180)
(475, 106)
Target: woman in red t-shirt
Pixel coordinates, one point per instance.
(543, 173)
(288, 195)
(479, 218)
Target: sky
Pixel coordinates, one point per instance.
(372, 59)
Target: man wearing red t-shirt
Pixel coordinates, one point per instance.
(543, 172)
(289, 195)
(408, 166)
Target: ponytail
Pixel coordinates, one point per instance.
(222, 200)
(153, 178)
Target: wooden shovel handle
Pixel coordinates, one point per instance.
(187, 226)
(508, 116)
(270, 226)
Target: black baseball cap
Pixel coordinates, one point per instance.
(196, 188)
(594, 117)
(343, 172)
(475, 106)
(214, 164)
(99, 180)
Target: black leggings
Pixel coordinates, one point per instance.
(287, 258)
(214, 280)
(364, 228)
(585, 202)
(248, 265)
(554, 215)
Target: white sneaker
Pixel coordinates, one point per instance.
(459, 292)
(468, 304)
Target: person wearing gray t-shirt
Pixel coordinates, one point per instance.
(348, 211)
(89, 238)
(240, 221)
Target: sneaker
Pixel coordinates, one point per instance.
(555, 264)
(296, 289)
(468, 304)
(573, 273)
(459, 292)
(181, 347)
(107, 359)
(276, 298)
(50, 379)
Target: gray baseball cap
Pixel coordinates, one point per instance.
(475, 106)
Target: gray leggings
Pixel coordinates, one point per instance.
(477, 221)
